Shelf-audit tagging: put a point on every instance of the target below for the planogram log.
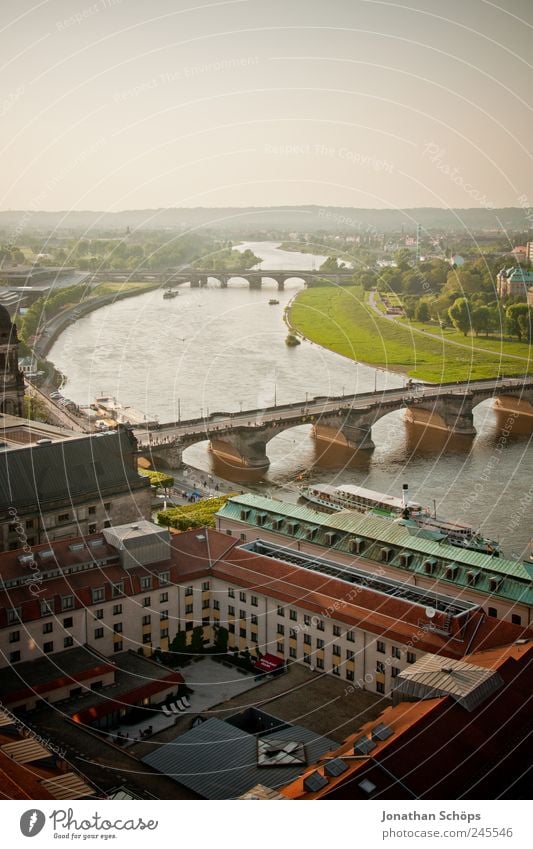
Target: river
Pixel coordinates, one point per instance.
(219, 349)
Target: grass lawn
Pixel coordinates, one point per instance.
(116, 286)
(339, 319)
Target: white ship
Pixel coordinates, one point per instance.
(418, 520)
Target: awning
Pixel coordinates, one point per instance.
(269, 663)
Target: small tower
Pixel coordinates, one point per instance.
(11, 378)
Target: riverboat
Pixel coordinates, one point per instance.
(418, 520)
(170, 293)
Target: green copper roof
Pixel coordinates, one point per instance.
(516, 586)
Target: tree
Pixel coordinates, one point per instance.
(403, 259)
(481, 320)
(512, 315)
(197, 640)
(459, 313)
(178, 646)
(221, 639)
(422, 312)
(524, 325)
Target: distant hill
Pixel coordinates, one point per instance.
(257, 221)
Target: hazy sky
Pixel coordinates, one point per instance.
(122, 104)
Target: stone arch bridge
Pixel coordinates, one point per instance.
(198, 279)
(347, 420)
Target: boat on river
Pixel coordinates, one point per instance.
(170, 293)
(418, 520)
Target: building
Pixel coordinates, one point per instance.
(117, 591)
(455, 734)
(55, 485)
(501, 587)
(12, 387)
(513, 282)
(529, 251)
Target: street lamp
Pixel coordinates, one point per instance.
(179, 409)
(240, 405)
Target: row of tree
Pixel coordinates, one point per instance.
(515, 320)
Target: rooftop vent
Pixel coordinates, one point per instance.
(382, 732)
(363, 746)
(495, 583)
(315, 781)
(430, 566)
(335, 767)
(46, 554)
(406, 558)
(367, 786)
(25, 558)
(356, 545)
(472, 578)
(452, 572)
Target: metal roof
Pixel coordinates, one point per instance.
(60, 471)
(517, 584)
(433, 676)
(218, 761)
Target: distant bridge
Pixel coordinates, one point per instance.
(199, 279)
(347, 420)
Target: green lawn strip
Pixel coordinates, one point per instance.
(339, 319)
(115, 286)
(489, 343)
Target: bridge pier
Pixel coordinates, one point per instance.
(253, 282)
(453, 413)
(349, 428)
(167, 455)
(246, 447)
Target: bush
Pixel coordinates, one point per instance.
(198, 515)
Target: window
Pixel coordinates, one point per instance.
(205, 620)
(206, 603)
(281, 629)
(349, 674)
(118, 589)
(243, 537)
(188, 626)
(117, 646)
(164, 579)
(320, 625)
(147, 638)
(307, 639)
(98, 633)
(48, 647)
(292, 633)
(107, 507)
(242, 614)
(319, 663)
(336, 650)
(395, 651)
(68, 642)
(281, 610)
(253, 636)
(63, 517)
(13, 615)
(98, 594)
(163, 615)
(349, 654)
(336, 631)
(394, 672)
(99, 614)
(188, 591)
(205, 586)
(380, 666)
(231, 628)
(380, 647)
(188, 608)
(146, 582)
(146, 601)
(14, 636)
(68, 622)
(516, 619)
(14, 656)
(253, 619)
(293, 615)
(117, 627)
(164, 633)
(147, 620)
(92, 528)
(320, 644)
(242, 597)
(292, 653)
(67, 602)
(29, 524)
(380, 687)
(280, 647)
(216, 604)
(47, 607)
(117, 609)
(163, 597)
(307, 658)
(493, 612)
(231, 610)
(92, 511)
(411, 657)
(336, 670)
(307, 620)
(48, 627)
(231, 593)
(253, 601)
(242, 632)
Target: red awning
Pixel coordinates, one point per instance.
(268, 663)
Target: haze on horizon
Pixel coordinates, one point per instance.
(119, 104)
